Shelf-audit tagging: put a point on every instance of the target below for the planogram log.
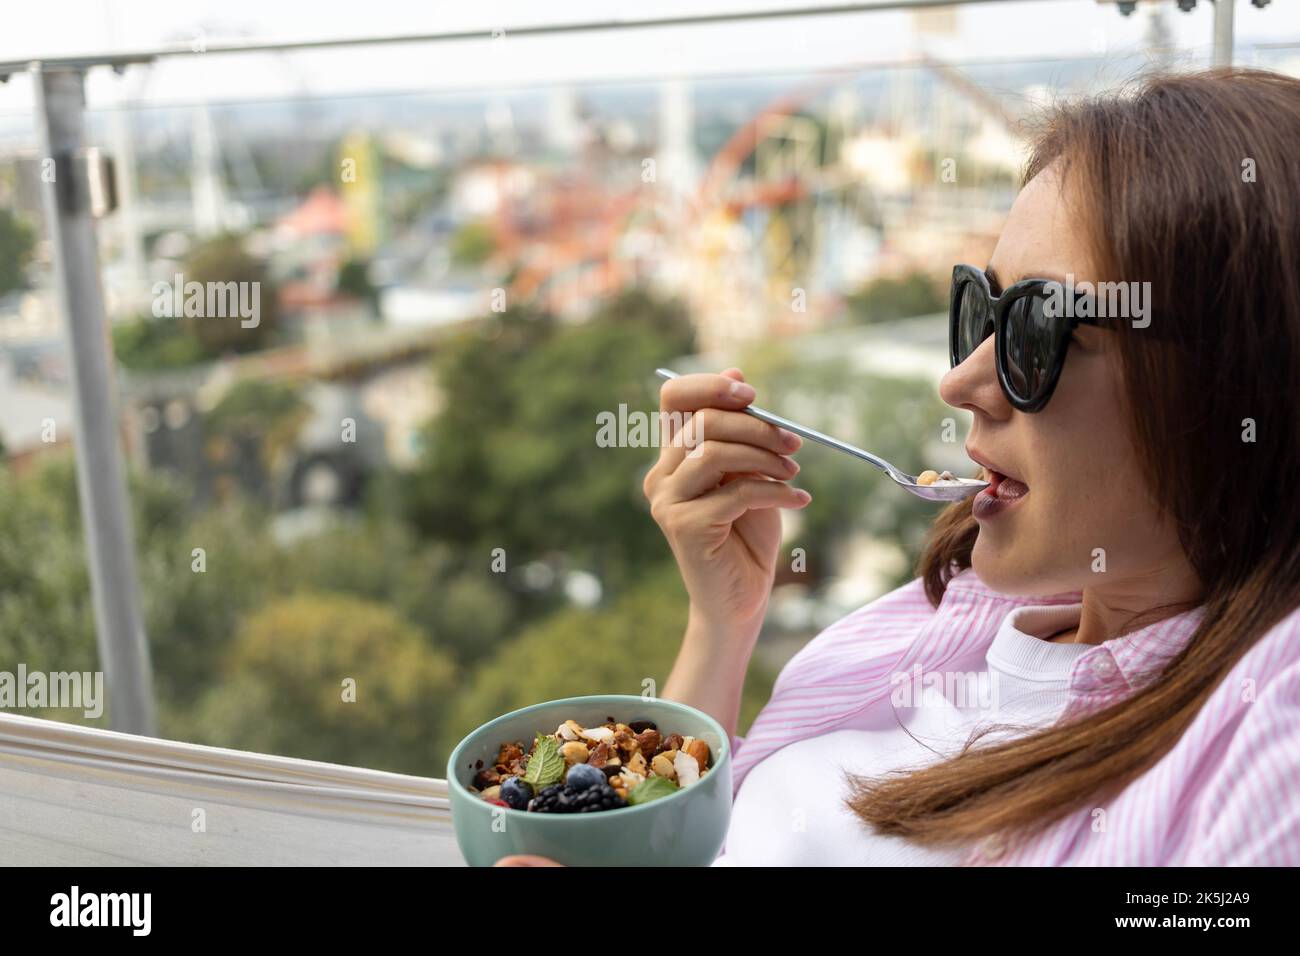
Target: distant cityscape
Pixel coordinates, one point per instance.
(732, 194)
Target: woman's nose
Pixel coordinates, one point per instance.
(973, 385)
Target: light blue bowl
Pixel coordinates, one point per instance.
(685, 829)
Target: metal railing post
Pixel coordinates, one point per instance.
(1223, 11)
(101, 476)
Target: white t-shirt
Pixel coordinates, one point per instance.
(789, 810)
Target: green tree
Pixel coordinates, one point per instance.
(16, 244)
(146, 344)
(887, 298)
(222, 260)
(46, 616)
(354, 280)
(512, 460)
(462, 608)
(266, 414)
(472, 244)
(612, 650)
(331, 677)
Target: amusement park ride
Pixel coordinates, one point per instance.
(740, 242)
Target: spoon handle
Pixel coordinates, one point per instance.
(806, 432)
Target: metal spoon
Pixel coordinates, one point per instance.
(968, 487)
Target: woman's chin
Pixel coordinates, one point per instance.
(1026, 576)
(997, 572)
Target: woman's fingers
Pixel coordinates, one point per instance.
(716, 424)
(726, 504)
(704, 467)
(680, 398)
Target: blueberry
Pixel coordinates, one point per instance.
(584, 775)
(516, 793)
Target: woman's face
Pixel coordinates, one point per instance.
(1087, 505)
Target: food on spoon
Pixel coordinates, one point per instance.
(944, 479)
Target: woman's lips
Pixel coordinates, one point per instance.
(1001, 494)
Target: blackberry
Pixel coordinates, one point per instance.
(560, 798)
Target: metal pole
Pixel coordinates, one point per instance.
(101, 481)
(1223, 32)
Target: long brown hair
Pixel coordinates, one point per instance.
(1190, 182)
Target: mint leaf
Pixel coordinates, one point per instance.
(652, 788)
(546, 765)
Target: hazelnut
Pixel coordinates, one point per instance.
(575, 751)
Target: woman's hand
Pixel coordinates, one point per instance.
(715, 496)
(526, 859)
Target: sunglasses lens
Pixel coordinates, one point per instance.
(1033, 341)
(974, 320)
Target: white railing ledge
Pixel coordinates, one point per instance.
(75, 795)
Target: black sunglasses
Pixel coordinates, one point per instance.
(1030, 338)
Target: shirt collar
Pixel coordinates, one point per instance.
(1128, 662)
(1121, 664)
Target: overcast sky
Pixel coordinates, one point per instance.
(1001, 28)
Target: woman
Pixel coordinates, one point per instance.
(1099, 660)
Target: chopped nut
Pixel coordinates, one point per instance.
(486, 777)
(626, 743)
(600, 756)
(663, 766)
(648, 741)
(637, 764)
(509, 752)
(568, 730)
(674, 742)
(516, 768)
(492, 793)
(927, 477)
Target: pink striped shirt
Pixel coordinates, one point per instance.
(1227, 794)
